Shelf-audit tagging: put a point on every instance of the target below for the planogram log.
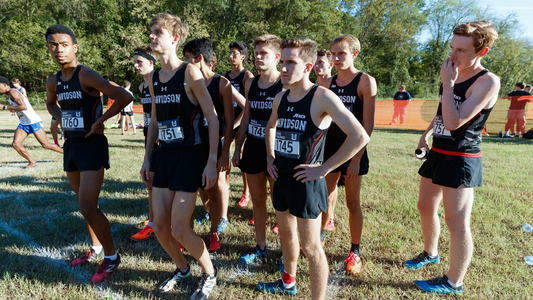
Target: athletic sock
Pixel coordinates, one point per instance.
(288, 280)
(56, 142)
(355, 249)
(453, 285)
(97, 249)
(186, 270)
(112, 257)
(322, 235)
(150, 223)
(433, 256)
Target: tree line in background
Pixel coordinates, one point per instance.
(107, 32)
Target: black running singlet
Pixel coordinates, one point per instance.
(214, 91)
(79, 110)
(146, 101)
(238, 84)
(181, 123)
(350, 98)
(261, 106)
(467, 138)
(298, 139)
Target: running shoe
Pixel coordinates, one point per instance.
(245, 199)
(214, 242)
(222, 224)
(143, 234)
(275, 229)
(438, 285)
(331, 225)
(276, 287)
(105, 270)
(202, 219)
(255, 253)
(421, 260)
(181, 247)
(353, 264)
(146, 222)
(86, 257)
(252, 222)
(174, 278)
(205, 286)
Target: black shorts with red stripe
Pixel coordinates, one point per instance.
(453, 170)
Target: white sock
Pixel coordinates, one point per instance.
(288, 286)
(97, 249)
(453, 285)
(150, 223)
(112, 257)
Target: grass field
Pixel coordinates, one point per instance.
(41, 229)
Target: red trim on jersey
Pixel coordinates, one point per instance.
(453, 153)
(313, 146)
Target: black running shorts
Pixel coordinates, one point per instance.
(303, 200)
(452, 171)
(253, 159)
(153, 157)
(180, 169)
(86, 154)
(331, 147)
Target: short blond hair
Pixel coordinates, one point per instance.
(272, 41)
(306, 45)
(482, 32)
(173, 24)
(352, 42)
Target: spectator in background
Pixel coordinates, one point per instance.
(516, 113)
(401, 99)
(128, 111)
(528, 88)
(16, 83)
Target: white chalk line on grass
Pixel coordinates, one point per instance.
(334, 286)
(56, 258)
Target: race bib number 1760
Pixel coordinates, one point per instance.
(72, 120)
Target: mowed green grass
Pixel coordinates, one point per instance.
(41, 229)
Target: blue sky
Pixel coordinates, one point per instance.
(501, 8)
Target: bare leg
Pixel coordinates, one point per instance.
(258, 192)
(150, 199)
(353, 202)
(331, 182)
(133, 124)
(521, 125)
(458, 207)
(41, 137)
(88, 184)
(74, 180)
(162, 224)
(123, 124)
(216, 196)
(20, 136)
(309, 230)
(182, 209)
(428, 204)
(290, 246)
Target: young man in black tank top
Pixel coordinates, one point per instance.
(238, 76)
(295, 137)
(199, 52)
(357, 91)
(454, 165)
(182, 166)
(260, 92)
(323, 67)
(144, 61)
(78, 88)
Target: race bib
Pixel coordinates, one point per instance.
(72, 120)
(438, 128)
(256, 129)
(287, 144)
(170, 131)
(147, 116)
